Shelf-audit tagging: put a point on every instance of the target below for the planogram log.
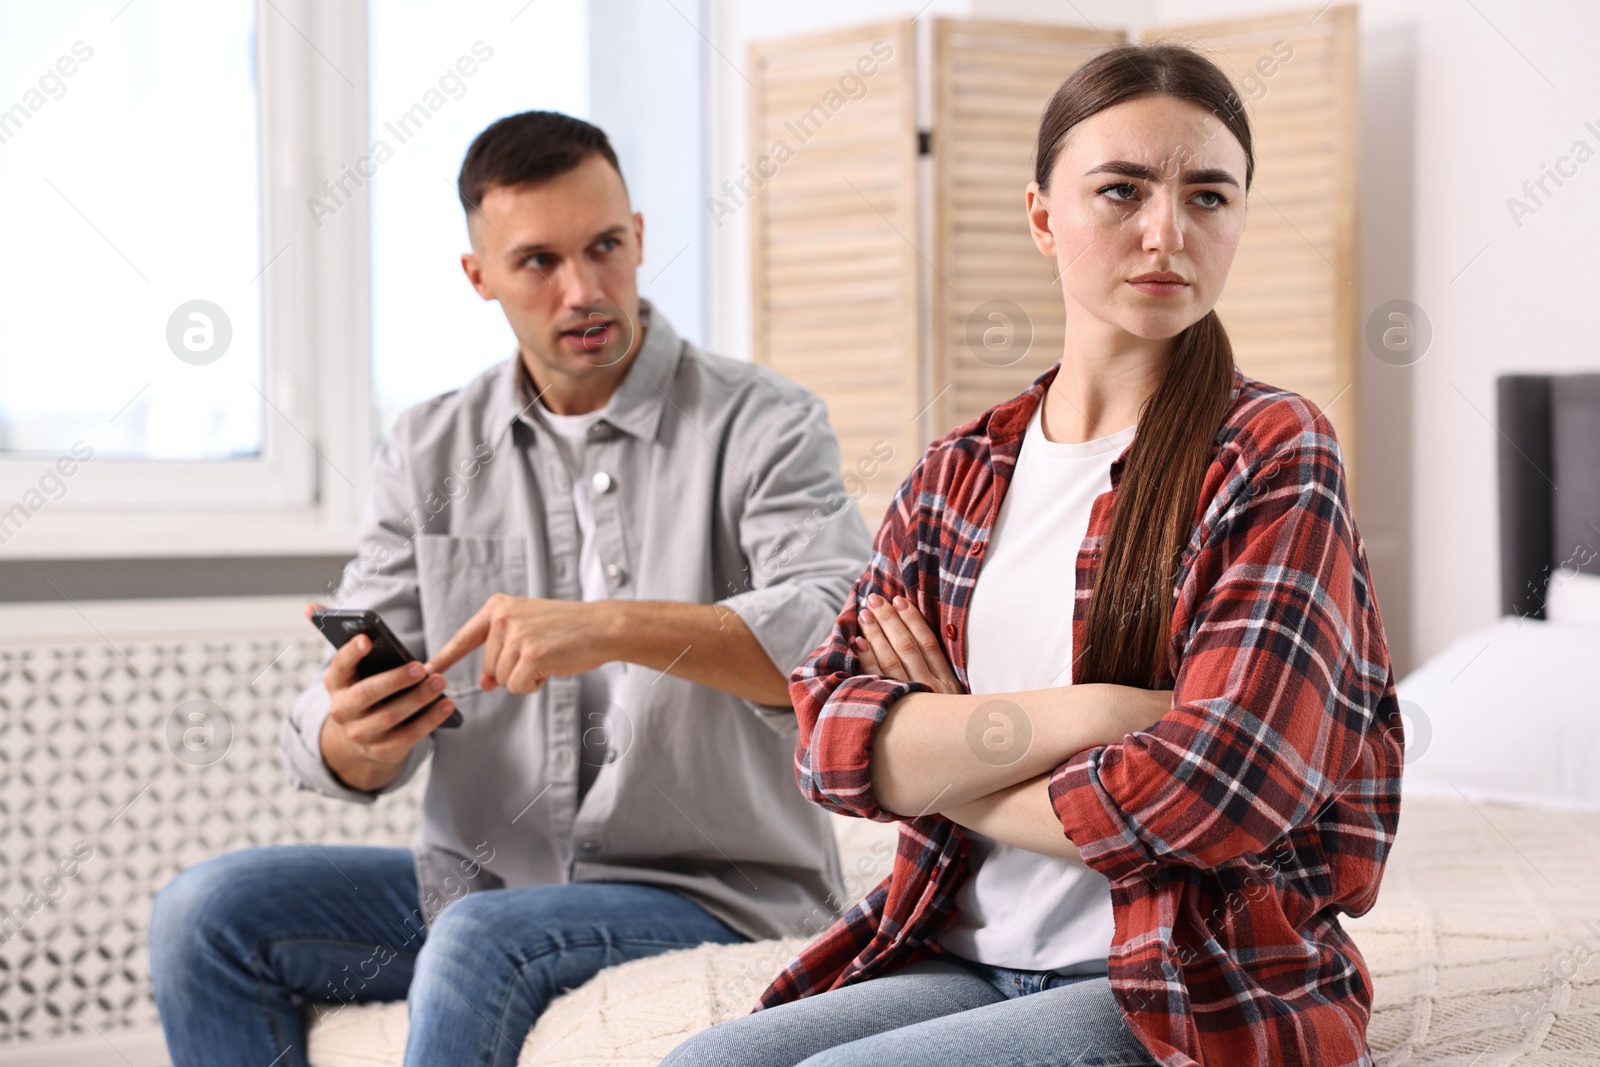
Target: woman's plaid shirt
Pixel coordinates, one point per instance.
(1235, 830)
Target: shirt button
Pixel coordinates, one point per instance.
(950, 630)
(589, 848)
(601, 481)
(615, 574)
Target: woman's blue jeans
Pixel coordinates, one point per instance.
(241, 943)
(930, 1014)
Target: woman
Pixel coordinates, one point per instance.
(1092, 868)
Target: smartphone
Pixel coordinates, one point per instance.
(339, 625)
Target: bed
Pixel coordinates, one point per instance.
(1483, 945)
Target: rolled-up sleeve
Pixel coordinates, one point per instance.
(1275, 693)
(801, 534)
(383, 578)
(839, 708)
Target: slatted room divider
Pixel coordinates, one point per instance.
(996, 302)
(1290, 305)
(853, 263)
(834, 261)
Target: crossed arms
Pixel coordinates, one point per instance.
(928, 757)
(1269, 727)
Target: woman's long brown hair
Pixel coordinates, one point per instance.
(1130, 613)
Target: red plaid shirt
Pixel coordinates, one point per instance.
(1235, 830)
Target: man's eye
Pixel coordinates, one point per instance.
(1129, 186)
(538, 261)
(607, 244)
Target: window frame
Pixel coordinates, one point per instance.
(305, 491)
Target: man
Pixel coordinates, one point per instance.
(614, 548)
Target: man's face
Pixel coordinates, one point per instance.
(561, 256)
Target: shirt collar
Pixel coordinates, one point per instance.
(1009, 421)
(640, 399)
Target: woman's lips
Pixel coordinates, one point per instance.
(1160, 288)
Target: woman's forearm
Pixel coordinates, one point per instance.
(1019, 815)
(935, 752)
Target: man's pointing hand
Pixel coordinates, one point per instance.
(527, 640)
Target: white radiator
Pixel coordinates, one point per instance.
(138, 738)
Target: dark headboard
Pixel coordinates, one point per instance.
(1549, 466)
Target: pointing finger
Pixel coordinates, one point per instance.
(469, 637)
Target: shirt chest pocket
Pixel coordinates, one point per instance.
(456, 575)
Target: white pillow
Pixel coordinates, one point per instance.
(1508, 712)
(1571, 596)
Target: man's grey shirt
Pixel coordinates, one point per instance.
(713, 481)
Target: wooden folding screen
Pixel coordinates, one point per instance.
(996, 303)
(1291, 302)
(834, 260)
(838, 238)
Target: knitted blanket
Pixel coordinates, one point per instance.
(1482, 947)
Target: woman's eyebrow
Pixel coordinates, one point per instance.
(1208, 176)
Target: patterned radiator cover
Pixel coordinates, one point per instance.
(130, 749)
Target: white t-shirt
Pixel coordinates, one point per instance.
(1018, 908)
(595, 687)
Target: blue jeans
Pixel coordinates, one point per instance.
(941, 1011)
(240, 943)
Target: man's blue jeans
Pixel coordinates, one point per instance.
(240, 943)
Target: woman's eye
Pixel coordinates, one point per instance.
(1125, 192)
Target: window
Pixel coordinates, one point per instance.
(214, 294)
(126, 197)
(161, 386)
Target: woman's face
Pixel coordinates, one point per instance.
(1152, 185)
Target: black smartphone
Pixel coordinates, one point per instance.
(339, 625)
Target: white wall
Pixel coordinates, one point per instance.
(646, 64)
(1461, 103)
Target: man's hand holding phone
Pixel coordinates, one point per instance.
(366, 736)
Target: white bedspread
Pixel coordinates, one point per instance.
(1483, 948)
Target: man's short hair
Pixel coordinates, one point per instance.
(530, 147)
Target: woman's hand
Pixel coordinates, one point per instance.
(897, 642)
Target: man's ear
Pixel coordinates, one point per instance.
(474, 272)
(638, 232)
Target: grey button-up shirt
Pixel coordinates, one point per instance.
(713, 481)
